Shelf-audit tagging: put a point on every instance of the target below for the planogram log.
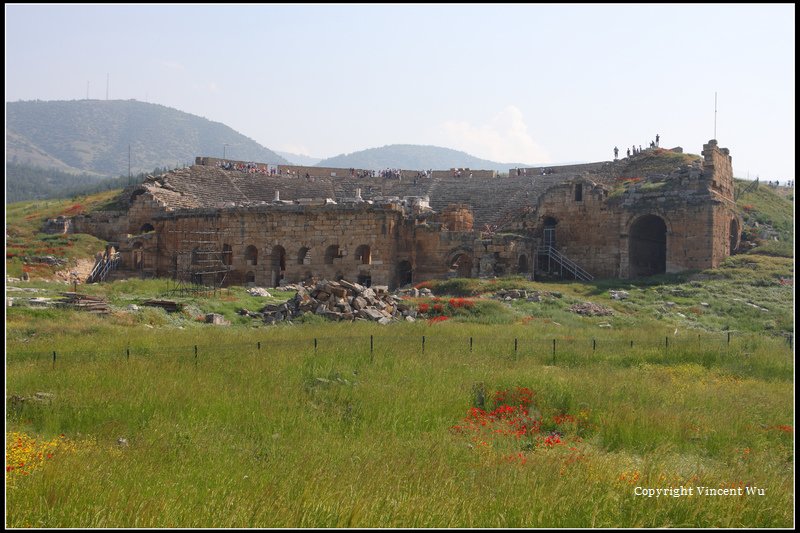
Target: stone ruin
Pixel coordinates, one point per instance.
(259, 225)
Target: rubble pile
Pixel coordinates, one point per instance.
(338, 300)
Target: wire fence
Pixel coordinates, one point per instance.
(551, 350)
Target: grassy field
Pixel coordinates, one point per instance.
(506, 414)
(286, 435)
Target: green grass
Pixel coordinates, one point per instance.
(290, 436)
(24, 221)
(765, 206)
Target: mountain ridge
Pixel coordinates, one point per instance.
(94, 136)
(414, 156)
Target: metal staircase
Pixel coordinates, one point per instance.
(102, 267)
(564, 262)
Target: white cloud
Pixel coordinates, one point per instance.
(505, 139)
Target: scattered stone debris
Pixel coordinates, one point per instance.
(618, 295)
(338, 300)
(590, 309)
(413, 292)
(258, 291)
(216, 319)
(523, 294)
(511, 294)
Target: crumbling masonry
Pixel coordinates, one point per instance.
(659, 211)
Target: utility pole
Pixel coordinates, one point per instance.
(715, 114)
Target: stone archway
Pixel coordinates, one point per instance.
(647, 246)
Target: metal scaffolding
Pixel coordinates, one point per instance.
(201, 263)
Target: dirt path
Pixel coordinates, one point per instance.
(83, 269)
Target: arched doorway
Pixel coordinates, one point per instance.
(405, 274)
(734, 235)
(363, 254)
(251, 255)
(278, 264)
(647, 246)
(331, 253)
(522, 264)
(303, 257)
(462, 264)
(146, 228)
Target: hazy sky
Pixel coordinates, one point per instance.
(510, 83)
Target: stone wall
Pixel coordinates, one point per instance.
(286, 244)
(586, 230)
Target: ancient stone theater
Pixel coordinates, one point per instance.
(220, 223)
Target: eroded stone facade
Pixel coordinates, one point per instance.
(269, 226)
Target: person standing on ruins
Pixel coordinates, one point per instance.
(616, 153)
(657, 137)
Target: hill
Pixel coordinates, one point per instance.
(299, 159)
(414, 157)
(93, 136)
